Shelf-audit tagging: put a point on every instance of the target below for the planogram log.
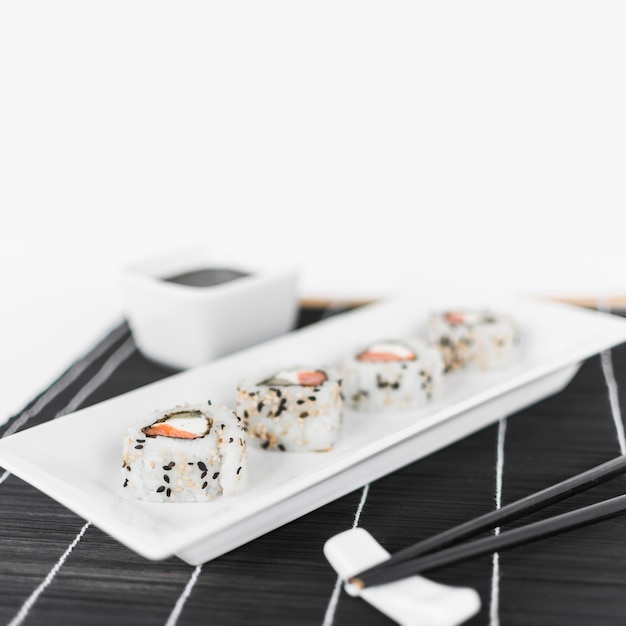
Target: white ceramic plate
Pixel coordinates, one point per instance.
(76, 459)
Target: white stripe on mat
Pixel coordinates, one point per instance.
(118, 357)
(19, 618)
(494, 599)
(110, 365)
(66, 380)
(611, 383)
(329, 616)
(180, 603)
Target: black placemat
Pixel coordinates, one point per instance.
(57, 569)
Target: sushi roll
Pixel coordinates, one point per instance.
(293, 410)
(394, 374)
(473, 337)
(191, 453)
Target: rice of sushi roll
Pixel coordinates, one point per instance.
(191, 453)
(293, 410)
(392, 375)
(478, 337)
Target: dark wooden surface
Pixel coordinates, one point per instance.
(57, 569)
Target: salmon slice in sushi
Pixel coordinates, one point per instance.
(386, 352)
(392, 375)
(190, 453)
(293, 410)
(478, 338)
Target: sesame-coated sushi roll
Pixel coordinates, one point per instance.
(293, 410)
(392, 375)
(187, 454)
(478, 337)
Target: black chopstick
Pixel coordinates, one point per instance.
(510, 512)
(493, 543)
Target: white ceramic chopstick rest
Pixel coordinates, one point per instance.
(413, 601)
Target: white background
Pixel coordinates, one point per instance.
(374, 143)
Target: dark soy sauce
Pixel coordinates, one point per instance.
(208, 277)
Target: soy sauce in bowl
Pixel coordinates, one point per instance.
(207, 277)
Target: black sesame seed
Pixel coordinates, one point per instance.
(265, 445)
(202, 466)
(312, 398)
(245, 414)
(204, 484)
(125, 482)
(299, 401)
(167, 468)
(304, 414)
(161, 489)
(209, 402)
(168, 493)
(281, 447)
(215, 475)
(231, 440)
(171, 464)
(139, 447)
(259, 407)
(238, 469)
(203, 475)
(140, 440)
(166, 478)
(281, 407)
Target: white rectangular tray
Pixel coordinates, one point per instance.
(76, 459)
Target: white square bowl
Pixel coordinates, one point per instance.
(183, 326)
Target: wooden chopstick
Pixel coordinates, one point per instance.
(493, 519)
